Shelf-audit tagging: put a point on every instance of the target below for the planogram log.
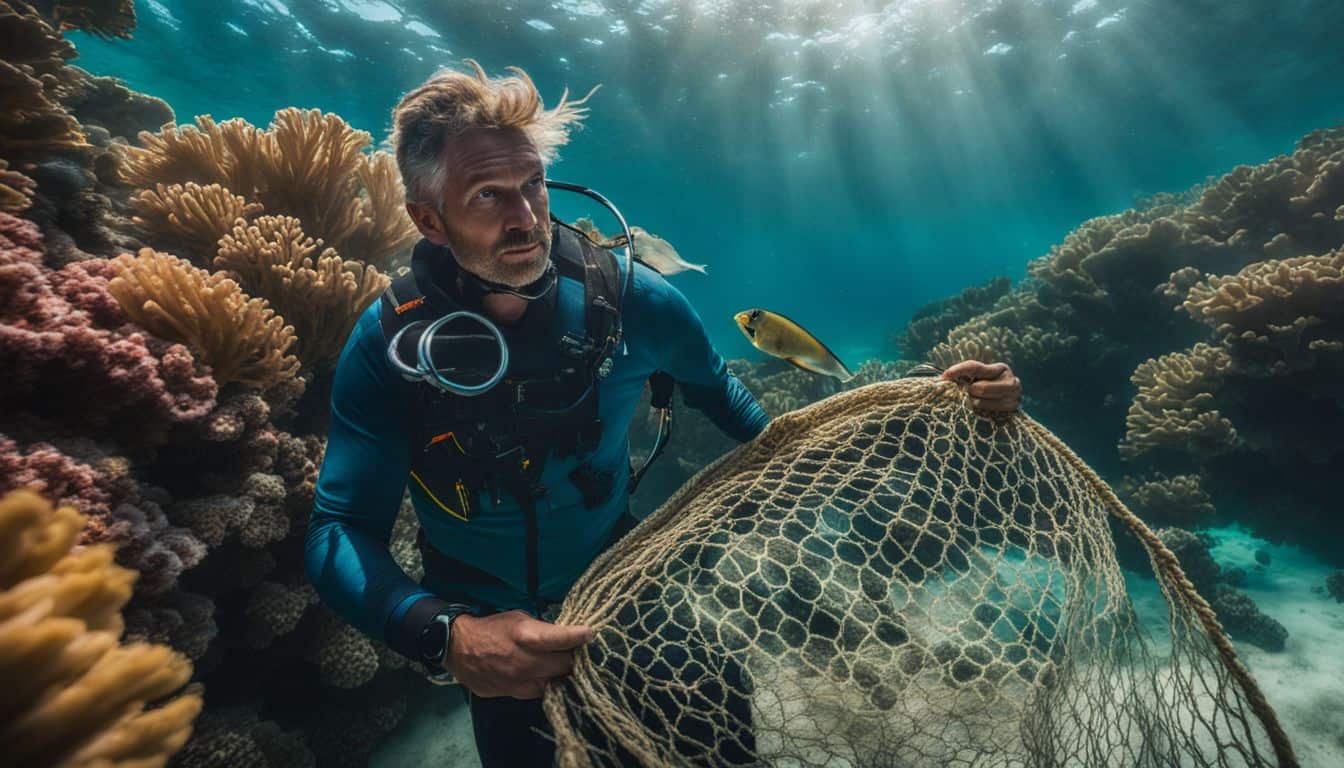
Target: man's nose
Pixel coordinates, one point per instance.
(520, 214)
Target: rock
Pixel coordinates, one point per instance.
(1334, 584)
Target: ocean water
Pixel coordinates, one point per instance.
(844, 163)
(839, 162)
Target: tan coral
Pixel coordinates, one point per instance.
(31, 121)
(384, 229)
(16, 190)
(311, 287)
(307, 164)
(1020, 349)
(1175, 500)
(241, 338)
(29, 42)
(74, 696)
(1279, 315)
(190, 215)
(311, 172)
(1175, 405)
(177, 155)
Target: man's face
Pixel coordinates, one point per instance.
(495, 212)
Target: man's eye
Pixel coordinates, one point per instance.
(486, 193)
(536, 181)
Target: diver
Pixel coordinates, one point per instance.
(496, 380)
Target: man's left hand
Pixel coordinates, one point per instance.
(992, 386)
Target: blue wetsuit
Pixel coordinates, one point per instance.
(368, 459)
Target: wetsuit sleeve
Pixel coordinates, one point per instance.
(700, 370)
(359, 492)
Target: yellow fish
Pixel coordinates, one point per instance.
(775, 334)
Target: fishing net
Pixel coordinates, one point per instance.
(885, 578)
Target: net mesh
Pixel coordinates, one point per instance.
(885, 578)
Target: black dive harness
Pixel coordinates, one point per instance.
(495, 435)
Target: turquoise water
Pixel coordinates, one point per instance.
(842, 163)
(839, 162)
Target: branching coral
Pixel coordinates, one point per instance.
(73, 695)
(321, 295)
(1175, 405)
(1161, 500)
(930, 323)
(307, 165)
(190, 218)
(1278, 316)
(241, 338)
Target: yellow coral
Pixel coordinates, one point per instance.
(74, 697)
(241, 338)
(176, 155)
(318, 293)
(307, 165)
(192, 215)
(385, 230)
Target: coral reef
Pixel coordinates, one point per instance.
(1244, 621)
(234, 737)
(1238, 614)
(74, 695)
(1179, 500)
(189, 217)
(930, 323)
(240, 338)
(321, 295)
(157, 396)
(307, 165)
(62, 332)
(1195, 334)
(1195, 558)
(1174, 404)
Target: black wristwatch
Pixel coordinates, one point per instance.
(434, 639)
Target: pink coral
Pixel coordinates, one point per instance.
(69, 354)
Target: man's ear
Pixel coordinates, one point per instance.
(428, 221)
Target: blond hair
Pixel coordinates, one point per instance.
(451, 103)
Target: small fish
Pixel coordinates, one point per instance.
(654, 251)
(777, 335)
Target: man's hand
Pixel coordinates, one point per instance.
(511, 653)
(992, 387)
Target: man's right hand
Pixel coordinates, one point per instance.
(511, 653)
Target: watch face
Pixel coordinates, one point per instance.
(432, 639)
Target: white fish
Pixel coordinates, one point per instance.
(653, 251)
